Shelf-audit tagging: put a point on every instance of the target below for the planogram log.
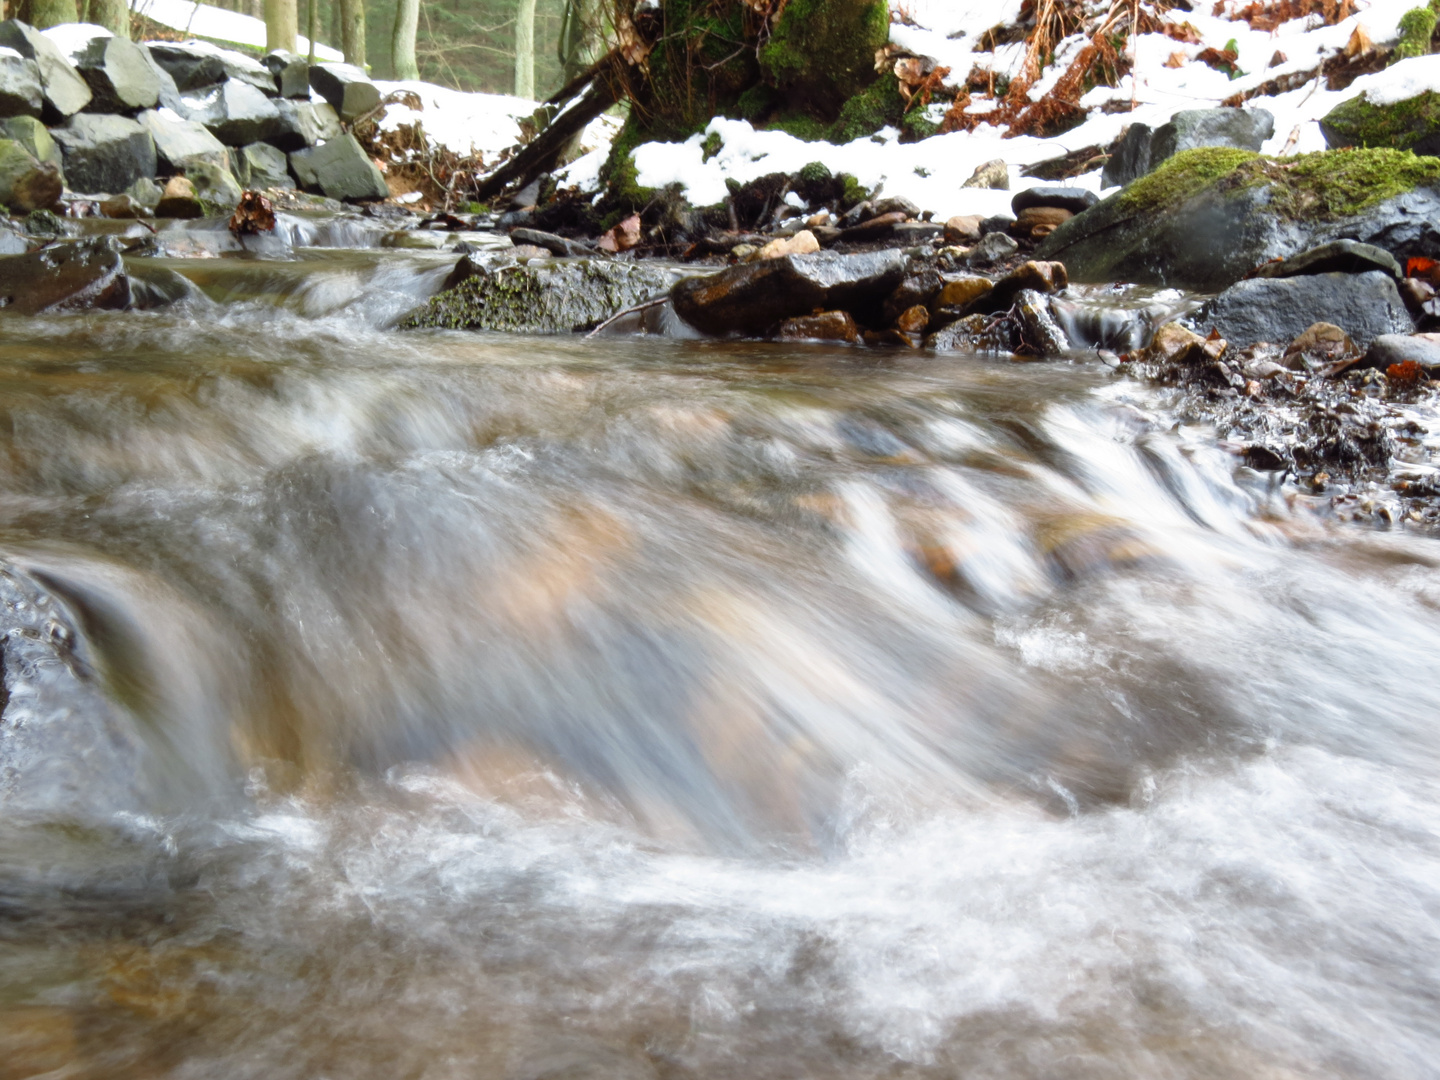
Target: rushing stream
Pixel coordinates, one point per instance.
(450, 705)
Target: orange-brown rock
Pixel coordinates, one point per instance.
(961, 292)
(826, 326)
(1032, 217)
(963, 229)
(913, 320)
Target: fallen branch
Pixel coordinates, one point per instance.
(646, 306)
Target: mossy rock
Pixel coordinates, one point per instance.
(866, 113)
(549, 297)
(822, 52)
(1416, 28)
(1207, 217)
(1413, 124)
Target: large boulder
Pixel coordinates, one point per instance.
(1141, 150)
(35, 137)
(1384, 114)
(118, 73)
(1206, 218)
(260, 165)
(198, 64)
(236, 113)
(214, 185)
(20, 93)
(1278, 310)
(339, 169)
(290, 72)
(65, 277)
(182, 144)
(105, 153)
(304, 123)
(25, 183)
(752, 297)
(550, 297)
(64, 92)
(347, 89)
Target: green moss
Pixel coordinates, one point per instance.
(915, 126)
(624, 194)
(866, 113)
(1323, 186)
(1416, 27)
(760, 99)
(817, 172)
(698, 67)
(712, 145)
(800, 125)
(1398, 126)
(823, 51)
(853, 193)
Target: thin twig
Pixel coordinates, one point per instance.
(629, 311)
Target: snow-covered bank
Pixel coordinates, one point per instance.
(205, 21)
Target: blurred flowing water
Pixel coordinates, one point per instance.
(452, 705)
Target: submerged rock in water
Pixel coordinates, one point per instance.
(752, 297)
(66, 277)
(542, 297)
(1206, 218)
(1276, 310)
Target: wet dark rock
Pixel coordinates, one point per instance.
(555, 245)
(1243, 129)
(346, 88)
(823, 326)
(997, 223)
(917, 232)
(119, 75)
(20, 93)
(1388, 349)
(881, 227)
(960, 293)
(64, 91)
(752, 297)
(1130, 157)
(105, 153)
(542, 297)
(340, 169)
(1076, 200)
(304, 123)
(27, 184)
(1038, 332)
(993, 247)
(290, 72)
(1338, 256)
(917, 288)
(974, 333)
(1279, 309)
(261, 165)
(181, 144)
(237, 114)
(65, 277)
(1207, 218)
(1040, 277)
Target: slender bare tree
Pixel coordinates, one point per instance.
(402, 41)
(525, 48)
(352, 32)
(281, 29)
(46, 13)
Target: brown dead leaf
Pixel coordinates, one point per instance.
(1183, 32)
(622, 237)
(1359, 43)
(253, 214)
(1177, 60)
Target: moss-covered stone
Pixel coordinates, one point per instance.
(546, 298)
(822, 52)
(866, 113)
(1403, 125)
(620, 180)
(1416, 27)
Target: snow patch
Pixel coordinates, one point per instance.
(221, 25)
(1400, 82)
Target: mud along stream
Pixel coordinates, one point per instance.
(437, 705)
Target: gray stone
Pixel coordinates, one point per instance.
(993, 247)
(290, 72)
(25, 183)
(752, 297)
(146, 192)
(261, 165)
(994, 175)
(119, 75)
(347, 89)
(896, 204)
(339, 169)
(195, 65)
(169, 95)
(1076, 200)
(1244, 129)
(213, 184)
(1277, 310)
(304, 123)
(35, 137)
(20, 93)
(1338, 256)
(236, 114)
(556, 245)
(1130, 158)
(105, 153)
(181, 144)
(65, 93)
(1387, 349)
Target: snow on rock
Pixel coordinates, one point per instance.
(218, 24)
(1407, 79)
(463, 123)
(73, 38)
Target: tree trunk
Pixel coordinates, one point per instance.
(311, 26)
(281, 27)
(525, 48)
(578, 43)
(352, 31)
(402, 41)
(47, 13)
(114, 15)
